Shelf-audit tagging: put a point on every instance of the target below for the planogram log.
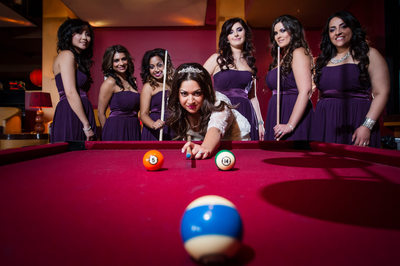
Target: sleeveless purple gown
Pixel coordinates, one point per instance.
(342, 106)
(149, 134)
(288, 97)
(236, 84)
(66, 125)
(123, 123)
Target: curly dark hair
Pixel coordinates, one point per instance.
(297, 39)
(145, 70)
(358, 47)
(83, 58)
(178, 120)
(225, 58)
(107, 66)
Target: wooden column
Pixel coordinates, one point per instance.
(227, 9)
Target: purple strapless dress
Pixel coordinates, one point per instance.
(123, 122)
(288, 99)
(236, 84)
(66, 125)
(342, 106)
(149, 134)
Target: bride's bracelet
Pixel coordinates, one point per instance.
(369, 123)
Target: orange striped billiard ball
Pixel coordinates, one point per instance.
(153, 160)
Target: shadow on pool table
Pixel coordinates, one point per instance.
(355, 202)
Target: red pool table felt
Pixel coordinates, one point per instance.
(321, 204)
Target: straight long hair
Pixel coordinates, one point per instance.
(83, 58)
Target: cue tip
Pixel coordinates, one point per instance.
(188, 149)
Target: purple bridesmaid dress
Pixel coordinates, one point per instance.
(288, 97)
(342, 106)
(123, 122)
(236, 84)
(66, 125)
(149, 134)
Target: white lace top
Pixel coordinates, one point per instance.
(231, 124)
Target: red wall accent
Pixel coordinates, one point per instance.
(371, 14)
(263, 59)
(183, 44)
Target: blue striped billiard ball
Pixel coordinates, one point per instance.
(211, 229)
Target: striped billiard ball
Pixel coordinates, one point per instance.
(211, 229)
(225, 160)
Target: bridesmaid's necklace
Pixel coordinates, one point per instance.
(337, 61)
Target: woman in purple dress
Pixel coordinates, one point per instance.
(151, 94)
(73, 118)
(295, 82)
(234, 71)
(119, 91)
(353, 82)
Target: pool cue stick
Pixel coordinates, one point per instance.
(255, 95)
(255, 86)
(188, 149)
(163, 93)
(192, 162)
(278, 88)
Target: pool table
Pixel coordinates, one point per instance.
(93, 203)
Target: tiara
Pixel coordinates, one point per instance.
(189, 69)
